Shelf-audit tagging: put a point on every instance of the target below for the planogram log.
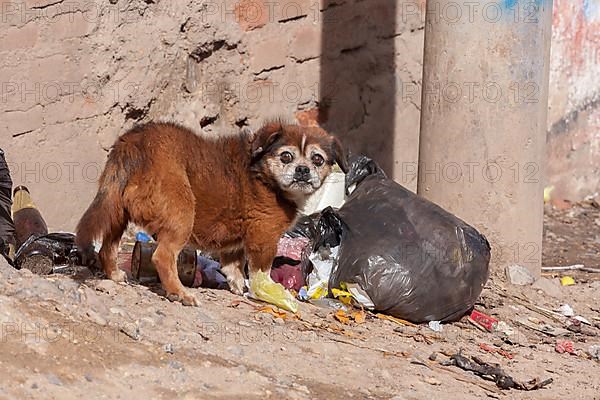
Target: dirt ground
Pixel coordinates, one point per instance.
(70, 337)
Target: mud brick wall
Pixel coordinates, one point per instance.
(74, 74)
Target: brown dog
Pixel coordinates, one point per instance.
(234, 195)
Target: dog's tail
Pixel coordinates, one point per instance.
(108, 214)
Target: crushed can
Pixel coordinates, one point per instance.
(485, 321)
(27, 218)
(144, 270)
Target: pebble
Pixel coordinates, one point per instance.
(107, 286)
(88, 377)
(519, 275)
(176, 365)
(96, 318)
(55, 380)
(168, 348)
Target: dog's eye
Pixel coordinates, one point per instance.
(317, 160)
(286, 157)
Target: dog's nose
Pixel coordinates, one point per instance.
(302, 173)
(302, 170)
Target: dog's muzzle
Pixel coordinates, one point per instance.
(302, 174)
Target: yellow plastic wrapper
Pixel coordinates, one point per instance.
(264, 288)
(567, 281)
(342, 295)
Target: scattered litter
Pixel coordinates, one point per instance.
(435, 326)
(292, 248)
(360, 295)
(582, 319)
(567, 281)
(548, 194)
(330, 194)
(566, 310)
(318, 281)
(358, 317)
(275, 313)
(490, 324)
(564, 268)
(143, 237)
(504, 328)
(290, 276)
(490, 349)
(494, 373)
(578, 267)
(330, 303)
(342, 295)
(168, 348)
(564, 346)
(210, 274)
(519, 275)
(303, 294)
(263, 288)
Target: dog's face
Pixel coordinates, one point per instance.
(296, 158)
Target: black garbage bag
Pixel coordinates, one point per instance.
(415, 260)
(7, 227)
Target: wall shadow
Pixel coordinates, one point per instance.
(357, 79)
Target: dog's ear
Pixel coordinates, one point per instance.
(264, 139)
(339, 155)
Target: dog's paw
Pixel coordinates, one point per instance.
(237, 285)
(117, 276)
(185, 298)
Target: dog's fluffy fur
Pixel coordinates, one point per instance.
(234, 196)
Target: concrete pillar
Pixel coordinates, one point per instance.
(483, 121)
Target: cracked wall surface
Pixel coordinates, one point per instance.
(76, 74)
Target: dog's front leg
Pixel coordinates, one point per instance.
(260, 254)
(232, 265)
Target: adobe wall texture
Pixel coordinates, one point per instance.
(76, 74)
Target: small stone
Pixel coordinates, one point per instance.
(168, 348)
(107, 286)
(96, 318)
(34, 386)
(88, 377)
(548, 287)
(594, 352)
(117, 310)
(176, 365)
(519, 275)
(53, 379)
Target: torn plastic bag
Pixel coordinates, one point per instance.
(413, 259)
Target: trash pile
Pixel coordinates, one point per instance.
(388, 250)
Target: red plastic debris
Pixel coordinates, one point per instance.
(485, 321)
(491, 349)
(289, 276)
(564, 346)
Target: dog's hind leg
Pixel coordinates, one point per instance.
(170, 243)
(173, 233)
(108, 254)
